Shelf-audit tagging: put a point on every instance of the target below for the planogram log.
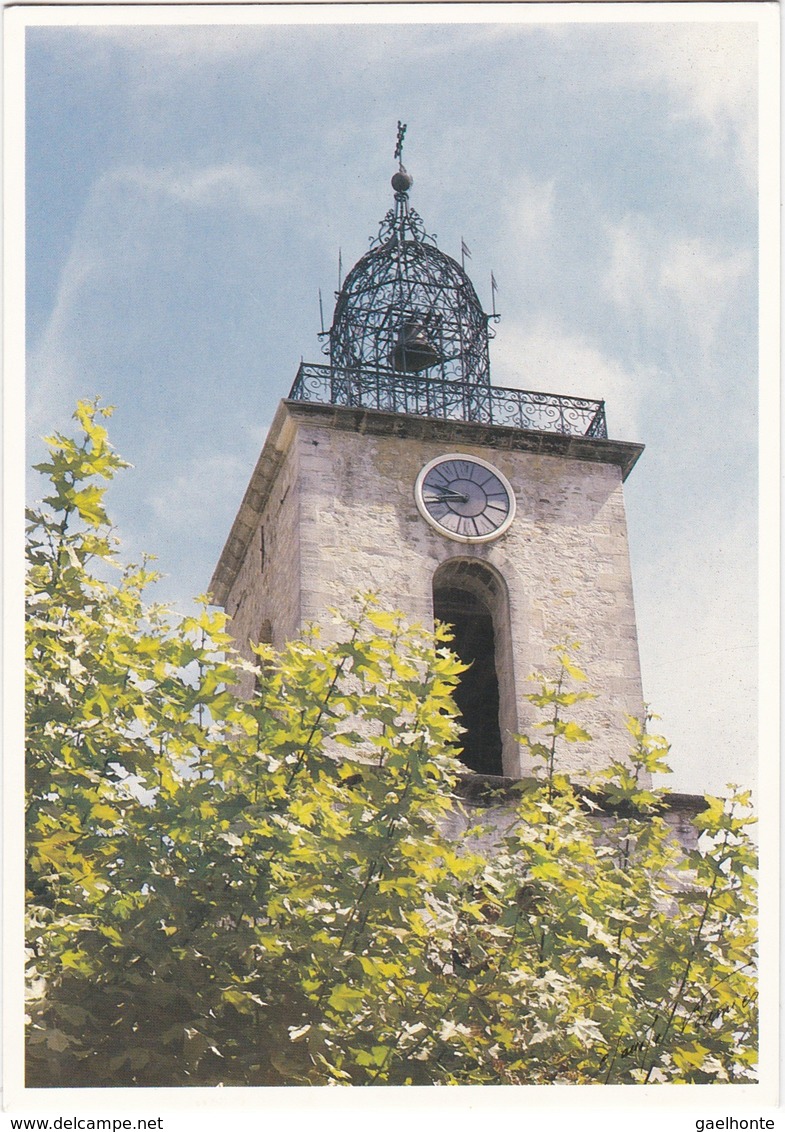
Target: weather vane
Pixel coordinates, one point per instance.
(399, 143)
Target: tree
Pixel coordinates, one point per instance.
(265, 892)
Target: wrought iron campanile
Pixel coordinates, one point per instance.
(409, 335)
(407, 308)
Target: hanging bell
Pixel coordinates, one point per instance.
(413, 350)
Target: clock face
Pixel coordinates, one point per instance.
(465, 498)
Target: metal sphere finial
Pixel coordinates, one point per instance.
(402, 181)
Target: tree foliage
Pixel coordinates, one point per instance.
(266, 892)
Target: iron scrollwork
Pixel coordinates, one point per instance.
(412, 395)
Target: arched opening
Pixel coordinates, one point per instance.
(477, 695)
(472, 599)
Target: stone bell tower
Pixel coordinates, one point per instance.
(399, 468)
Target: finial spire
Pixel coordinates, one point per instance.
(399, 143)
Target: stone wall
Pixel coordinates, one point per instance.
(264, 599)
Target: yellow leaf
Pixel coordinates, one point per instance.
(103, 812)
(573, 670)
(382, 620)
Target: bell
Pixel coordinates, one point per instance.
(413, 351)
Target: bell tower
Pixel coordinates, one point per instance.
(398, 468)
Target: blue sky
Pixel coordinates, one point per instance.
(188, 190)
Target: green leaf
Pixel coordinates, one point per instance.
(346, 998)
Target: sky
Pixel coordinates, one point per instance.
(188, 189)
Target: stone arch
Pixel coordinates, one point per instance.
(472, 596)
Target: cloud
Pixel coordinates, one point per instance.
(191, 46)
(684, 286)
(53, 364)
(186, 497)
(123, 227)
(710, 72)
(183, 509)
(529, 214)
(213, 186)
(704, 282)
(696, 604)
(188, 46)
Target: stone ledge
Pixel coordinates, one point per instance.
(624, 454)
(491, 789)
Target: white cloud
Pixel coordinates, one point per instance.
(185, 498)
(704, 282)
(106, 247)
(236, 184)
(191, 46)
(710, 69)
(696, 602)
(682, 285)
(547, 358)
(529, 214)
(53, 366)
(188, 46)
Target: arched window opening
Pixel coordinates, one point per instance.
(477, 695)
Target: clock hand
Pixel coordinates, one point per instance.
(448, 496)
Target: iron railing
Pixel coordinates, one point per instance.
(417, 396)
